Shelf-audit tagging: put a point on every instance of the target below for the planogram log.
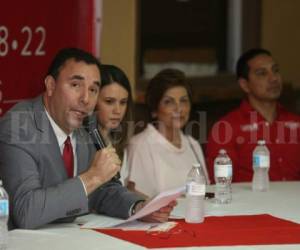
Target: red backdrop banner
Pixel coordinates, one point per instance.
(31, 32)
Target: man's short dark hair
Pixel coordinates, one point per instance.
(70, 53)
(242, 67)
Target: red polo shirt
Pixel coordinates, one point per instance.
(238, 133)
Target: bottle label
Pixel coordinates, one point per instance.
(261, 161)
(193, 188)
(223, 170)
(4, 208)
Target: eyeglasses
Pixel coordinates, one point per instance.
(178, 230)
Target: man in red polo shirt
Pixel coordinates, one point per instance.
(259, 117)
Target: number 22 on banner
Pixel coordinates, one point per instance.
(28, 31)
(1, 97)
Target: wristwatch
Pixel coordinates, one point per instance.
(132, 210)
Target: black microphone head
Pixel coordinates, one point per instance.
(90, 125)
(90, 122)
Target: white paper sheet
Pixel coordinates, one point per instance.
(157, 202)
(99, 221)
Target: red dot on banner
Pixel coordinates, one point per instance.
(14, 44)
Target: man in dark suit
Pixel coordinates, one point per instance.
(48, 165)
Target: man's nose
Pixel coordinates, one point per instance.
(273, 76)
(84, 98)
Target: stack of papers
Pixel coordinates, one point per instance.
(154, 204)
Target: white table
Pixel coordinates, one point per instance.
(282, 200)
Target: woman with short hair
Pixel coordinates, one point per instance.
(161, 156)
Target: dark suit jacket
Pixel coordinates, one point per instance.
(34, 175)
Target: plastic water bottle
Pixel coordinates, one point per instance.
(4, 212)
(223, 177)
(261, 165)
(195, 192)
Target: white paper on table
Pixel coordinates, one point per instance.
(157, 202)
(136, 225)
(103, 221)
(99, 221)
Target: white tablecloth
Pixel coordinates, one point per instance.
(282, 200)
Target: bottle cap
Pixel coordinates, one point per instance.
(261, 142)
(222, 151)
(196, 165)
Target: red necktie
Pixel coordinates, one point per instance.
(68, 157)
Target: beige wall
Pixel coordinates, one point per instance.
(118, 38)
(280, 21)
(280, 34)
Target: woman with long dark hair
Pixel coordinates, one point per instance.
(113, 110)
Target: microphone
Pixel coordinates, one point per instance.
(98, 140)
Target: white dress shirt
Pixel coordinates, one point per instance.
(61, 137)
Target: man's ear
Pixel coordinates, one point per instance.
(50, 85)
(244, 85)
